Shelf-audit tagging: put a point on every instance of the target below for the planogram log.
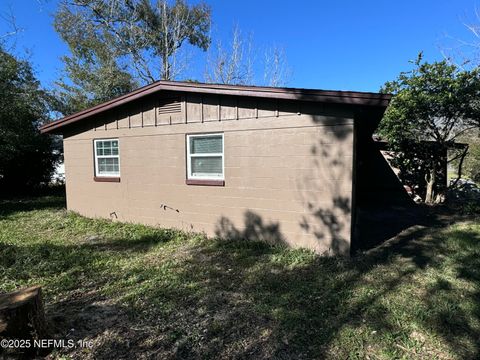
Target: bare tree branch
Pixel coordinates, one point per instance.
(276, 71)
(461, 156)
(462, 52)
(236, 63)
(9, 19)
(231, 65)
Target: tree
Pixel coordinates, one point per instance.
(235, 63)
(276, 70)
(166, 28)
(232, 64)
(433, 104)
(11, 24)
(464, 52)
(471, 164)
(92, 72)
(28, 158)
(120, 44)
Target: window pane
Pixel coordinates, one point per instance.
(108, 166)
(207, 166)
(107, 147)
(206, 145)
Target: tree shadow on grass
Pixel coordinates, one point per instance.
(247, 299)
(258, 299)
(268, 310)
(9, 207)
(131, 245)
(455, 319)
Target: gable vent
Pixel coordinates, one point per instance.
(169, 106)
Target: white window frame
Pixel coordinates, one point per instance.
(97, 174)
(189, 158)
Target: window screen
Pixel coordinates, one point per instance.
(205, 156)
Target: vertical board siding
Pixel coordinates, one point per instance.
(194, 108)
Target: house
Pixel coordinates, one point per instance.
(281, 165)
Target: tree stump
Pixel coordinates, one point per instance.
(22, 315)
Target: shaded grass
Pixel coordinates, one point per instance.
(138, 291)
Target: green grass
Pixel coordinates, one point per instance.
(138, 291)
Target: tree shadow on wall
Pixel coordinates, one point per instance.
(332, 224)
(253, 229)
(324, 192)
(346, 215)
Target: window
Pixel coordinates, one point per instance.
(205, 157)
(107, 159)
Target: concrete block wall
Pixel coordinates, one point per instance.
(288, 170)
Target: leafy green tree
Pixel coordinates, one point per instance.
(432, 105)
(118, 45)
(92, 73)
(27, 158)
(471, 163)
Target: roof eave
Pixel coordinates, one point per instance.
(336, 97)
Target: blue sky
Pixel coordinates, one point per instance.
(341, 45)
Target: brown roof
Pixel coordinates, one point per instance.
(327, 96)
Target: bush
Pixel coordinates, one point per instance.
(466, 196)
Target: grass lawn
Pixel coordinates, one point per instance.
(141, 292)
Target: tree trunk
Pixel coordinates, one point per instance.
(460, 165)
(430, 178)
(22, 315)
(165, 74)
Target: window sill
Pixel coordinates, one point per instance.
(106, 179)
(205, 182)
